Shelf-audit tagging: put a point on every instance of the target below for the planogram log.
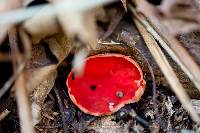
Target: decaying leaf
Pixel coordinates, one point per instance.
(79, 25)
(7, 5)
(177, 26)
(179, 16)
(60, 46)
(192, 43)
(115, 15)
(37, 75)
(144, 7)
(100, 15)
(40, 93)
(41, 29)
(167, 7)
(41, 70)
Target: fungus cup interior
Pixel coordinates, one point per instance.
(109, 81)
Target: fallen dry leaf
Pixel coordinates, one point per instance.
(39, 95)
(100, 15)
(40, 29)
(7, 5)
(115, 15)
(177, 26)
(179, 16)
(41, 70)
(37, 75)
(167, 7)
(79, 25)
(60, 46)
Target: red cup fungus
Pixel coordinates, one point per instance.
(109, 81)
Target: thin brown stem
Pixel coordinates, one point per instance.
(167, 70)
(20, 87)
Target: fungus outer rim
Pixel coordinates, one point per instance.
(135, 98)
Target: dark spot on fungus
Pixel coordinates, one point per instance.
(73, 76)
(93, 87)
(115, 75)
(119, 94)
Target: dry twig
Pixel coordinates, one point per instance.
(4, 114)
(21, 66)
(61, 109)
(20, 89)
(22, 14)
(11, 80)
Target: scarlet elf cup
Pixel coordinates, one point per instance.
(109, 81)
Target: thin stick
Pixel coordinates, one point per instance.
(61, 109)
(23, 105)
(11, 80)
(19, 69)
(4, 114)
(27, 49)
(167, 70)
(19, 15)
(20, 89)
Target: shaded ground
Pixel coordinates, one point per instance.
(165, 114)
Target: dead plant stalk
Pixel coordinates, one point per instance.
(174, 48)
(20, 89)
(167, 70)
